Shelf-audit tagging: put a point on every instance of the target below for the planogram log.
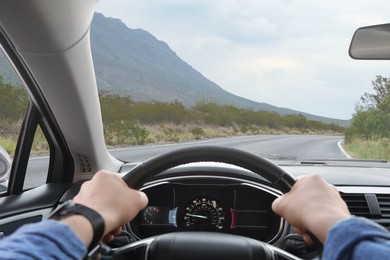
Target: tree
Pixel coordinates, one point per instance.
(371, 119)
(382, 90)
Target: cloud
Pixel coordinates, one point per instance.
(287, 53)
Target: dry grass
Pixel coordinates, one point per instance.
(166, 133)
(8, 143)
(169, 132)
(369, 149)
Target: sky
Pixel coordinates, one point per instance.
(287, 53)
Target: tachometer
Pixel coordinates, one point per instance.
(203, 213)
(156, 215)
(151, 215)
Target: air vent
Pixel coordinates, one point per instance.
(357, 204)
(83, 163)
(373, 206)
(384, 204)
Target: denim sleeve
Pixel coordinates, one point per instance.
(45, 240)
(357, 238)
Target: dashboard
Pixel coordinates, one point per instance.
(227, 199)
(209, 203)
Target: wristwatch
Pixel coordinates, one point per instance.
(70, 208)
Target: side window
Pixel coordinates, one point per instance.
(13, 106)
(38, 163)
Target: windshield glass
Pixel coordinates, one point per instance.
(273, 78)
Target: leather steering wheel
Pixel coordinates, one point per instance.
(206, 245)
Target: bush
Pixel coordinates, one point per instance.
(124, 133)
(371, 120)
(197, 132)
(9, 144)
(170, 134)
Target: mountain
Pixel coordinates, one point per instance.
(133, 62)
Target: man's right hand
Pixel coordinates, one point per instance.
(312, 205)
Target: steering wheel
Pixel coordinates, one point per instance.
(206, 245)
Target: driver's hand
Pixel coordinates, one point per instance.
(109, 195)
(312, 205)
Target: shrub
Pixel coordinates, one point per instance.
(197, 132)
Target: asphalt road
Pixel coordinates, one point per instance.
(290, 147)
(297, 147)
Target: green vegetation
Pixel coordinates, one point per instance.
(127, 122)
(369, 135)
(13, 102)
(369, 149)
(8, 143)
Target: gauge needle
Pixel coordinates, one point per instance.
(196, 216)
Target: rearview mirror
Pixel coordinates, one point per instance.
(371, 43)
(5, 165)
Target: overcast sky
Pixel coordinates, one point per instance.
(287, 53)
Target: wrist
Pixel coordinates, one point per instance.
(87, 223)
(321, 226)
(81, 226)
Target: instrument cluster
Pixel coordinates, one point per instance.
(208, 205)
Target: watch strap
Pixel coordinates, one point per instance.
(70, 208)
(96, 220)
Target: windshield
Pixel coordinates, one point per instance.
(277, 71)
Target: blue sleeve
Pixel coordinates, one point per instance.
(357, 238)
(45, 240)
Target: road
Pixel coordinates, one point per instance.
(270, 146)
(290, 147)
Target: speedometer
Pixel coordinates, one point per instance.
(203, 213)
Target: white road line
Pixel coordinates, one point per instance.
(340, 145)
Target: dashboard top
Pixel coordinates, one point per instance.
(338, 173)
